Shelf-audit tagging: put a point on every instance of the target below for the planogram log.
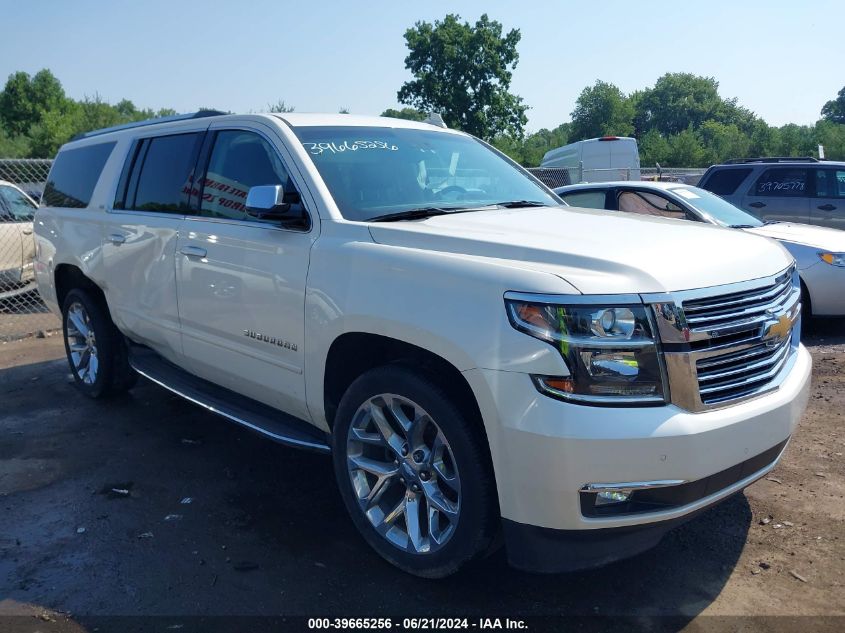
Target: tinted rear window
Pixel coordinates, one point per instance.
(74, 175)
(166, 166)
(724, 182)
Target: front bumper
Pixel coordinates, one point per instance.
(545, 451)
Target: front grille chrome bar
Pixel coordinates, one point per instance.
(728, 344)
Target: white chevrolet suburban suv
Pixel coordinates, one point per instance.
(480, 359)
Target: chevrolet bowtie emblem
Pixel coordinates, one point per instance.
(778, 330)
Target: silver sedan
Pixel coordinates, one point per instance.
(819, 251)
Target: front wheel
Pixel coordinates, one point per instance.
(414, 472)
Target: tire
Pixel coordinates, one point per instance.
(806, 305)
(95, 348)
(439, 472)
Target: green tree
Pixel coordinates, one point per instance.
(602, 110)
(13, 146)
(677, 101)
(832, 136)
(797, 140)
(686, 150)
(834, 110)
(536, 145)
(464, 72)
(723, 141)
(280, 106)
(25, 99)
(410, 114)
(654, 149)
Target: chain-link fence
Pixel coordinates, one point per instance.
(562, 176)
(22, 313)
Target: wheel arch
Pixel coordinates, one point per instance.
(66, 277)
(353, 353)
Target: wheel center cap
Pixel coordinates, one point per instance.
(409, 472)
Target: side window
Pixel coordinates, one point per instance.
(162, 172)
(830, 183)
(724, 182)
(588, 199)
(17, 205)
(646, 203)
(787, 182)
(240, 160)
(74, 175)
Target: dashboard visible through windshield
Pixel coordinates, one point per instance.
(374, 172)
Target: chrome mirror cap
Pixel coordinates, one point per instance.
(265, 197)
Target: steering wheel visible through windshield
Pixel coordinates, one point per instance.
(378, 171)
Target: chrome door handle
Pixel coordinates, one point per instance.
(193, 251)
(117, 238)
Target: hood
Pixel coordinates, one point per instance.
(819, 237)
(598, 252)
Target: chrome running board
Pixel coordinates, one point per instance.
(247, 412)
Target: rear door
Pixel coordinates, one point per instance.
(11, 247)
(780, 194)
(140, 235)
(241, 282)
(827, 208)
(21, 209)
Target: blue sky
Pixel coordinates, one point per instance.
(783, 60)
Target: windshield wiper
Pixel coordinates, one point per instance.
(744, 226)
(416, 214)
(516, 204)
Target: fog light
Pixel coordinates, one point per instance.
(612, 496)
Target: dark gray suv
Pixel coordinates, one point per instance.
(783, 189)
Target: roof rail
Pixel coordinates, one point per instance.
(772, 159)
(164, 119)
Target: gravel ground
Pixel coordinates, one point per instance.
(216, 521)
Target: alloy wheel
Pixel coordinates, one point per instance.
(82, 343)
(404, 473)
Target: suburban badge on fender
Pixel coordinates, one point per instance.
(270, 339)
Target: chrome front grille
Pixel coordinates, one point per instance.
(731, 376)
(727, 344)
(738, 308)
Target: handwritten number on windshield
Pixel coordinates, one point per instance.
(315, 149)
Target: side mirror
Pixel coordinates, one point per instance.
(266, 202)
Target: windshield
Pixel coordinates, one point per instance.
(375, 171)
(722, 211)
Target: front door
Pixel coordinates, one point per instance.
(828, 207)
(780, 194)
(240, 281)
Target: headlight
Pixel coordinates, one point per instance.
(610, 351)
(834, 259)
